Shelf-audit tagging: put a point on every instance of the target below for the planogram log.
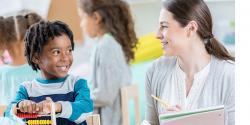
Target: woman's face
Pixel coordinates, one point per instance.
(87, 23)
(172, 35)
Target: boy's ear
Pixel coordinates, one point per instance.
(35, 58)
(97, 17)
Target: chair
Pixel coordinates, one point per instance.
(128, 93)
(93, 119)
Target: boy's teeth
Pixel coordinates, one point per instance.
(63, 68)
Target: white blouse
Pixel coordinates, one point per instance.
(212, 86)
(175, 93)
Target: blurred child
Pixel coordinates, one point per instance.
(111, 23)
(48, 48)
(17, 71)
(2, 44)
(5, 57)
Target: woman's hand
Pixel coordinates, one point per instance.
(28, 106)
(174, 108)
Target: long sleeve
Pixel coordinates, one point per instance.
(229, 109)
(229, 101)
(82, 106)
(109, 75)
(21, 95)
(106, 93)
(151, 113)
(110, 72)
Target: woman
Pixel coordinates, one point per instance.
(196, 71)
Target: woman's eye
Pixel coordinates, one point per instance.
(163, 27)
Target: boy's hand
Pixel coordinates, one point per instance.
(45, 106)
(28, 106)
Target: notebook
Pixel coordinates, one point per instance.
(204, 116)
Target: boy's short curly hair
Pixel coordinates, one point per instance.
(40, 34)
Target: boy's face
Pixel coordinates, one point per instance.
(56, 58)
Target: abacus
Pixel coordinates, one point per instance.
(34, 116)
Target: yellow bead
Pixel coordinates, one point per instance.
(29, 122)
(43, 122)
(47, 121)
(50, 122)
(39, 122)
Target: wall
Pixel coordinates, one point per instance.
(66, 10)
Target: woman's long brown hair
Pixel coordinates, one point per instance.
(185, 11)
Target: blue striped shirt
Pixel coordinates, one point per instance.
(72, 92)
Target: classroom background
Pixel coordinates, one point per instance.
(145, 14)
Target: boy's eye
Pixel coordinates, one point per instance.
(69, 50)
(56, 52)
